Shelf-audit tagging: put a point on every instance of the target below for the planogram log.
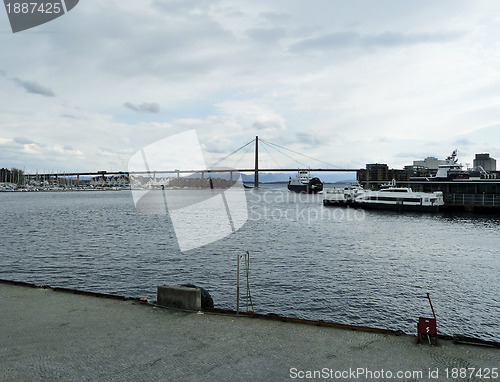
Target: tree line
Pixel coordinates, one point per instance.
(14, 175)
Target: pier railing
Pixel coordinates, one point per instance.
(486, 200)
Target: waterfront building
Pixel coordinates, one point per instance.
(376, 174)
(475, 189)
(377, 171)
(431, 163)
(486, 162)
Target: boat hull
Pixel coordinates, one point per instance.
(338, 203)
(304, 188)
(396, 207)
(379, 206)
(389, 197)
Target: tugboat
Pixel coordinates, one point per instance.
(304, 183)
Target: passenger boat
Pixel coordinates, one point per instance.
(303, 182)
(401, 199)
(389, 197)
(343, 196)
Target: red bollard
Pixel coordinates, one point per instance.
(427, 326)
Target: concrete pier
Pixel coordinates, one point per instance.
(48, 335)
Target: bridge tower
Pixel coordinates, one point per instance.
(256, 178)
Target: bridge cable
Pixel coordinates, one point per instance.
(242, 156)
(271, 155)
(295, 152)
(234, 152)
(288, 156)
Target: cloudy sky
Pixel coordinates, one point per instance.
(347, 82)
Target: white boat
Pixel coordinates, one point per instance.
(303, 182)
(343, 196)
(451, 170)
(401, 199)
(389, 197)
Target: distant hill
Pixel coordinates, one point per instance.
(271, 177)
(326, 177)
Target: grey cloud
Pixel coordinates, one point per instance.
(23, 141)
(34, 87)
(268, 124)
(177, 6)
(463, 142)
(395, 39)
(181, 47)
(275, 16)
(218, 146)
(310, 139)
(356, 40)
(382, 140)
(415, 155)
(71, 116)
(143, 107)
(267, 35)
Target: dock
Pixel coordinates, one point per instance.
(60, 335)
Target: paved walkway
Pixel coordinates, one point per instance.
(47, 335)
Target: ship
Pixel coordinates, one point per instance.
(343, 196)
(401, 199)
(451, 170)
(303, 182)
(389, 197)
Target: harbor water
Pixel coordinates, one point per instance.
(370, 268)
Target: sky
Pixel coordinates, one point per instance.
(346, 82)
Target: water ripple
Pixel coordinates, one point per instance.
(373, 271)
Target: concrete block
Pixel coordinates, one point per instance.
(179, 297)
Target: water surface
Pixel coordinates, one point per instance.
(369, 268)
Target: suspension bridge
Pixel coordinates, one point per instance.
(266, 145)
